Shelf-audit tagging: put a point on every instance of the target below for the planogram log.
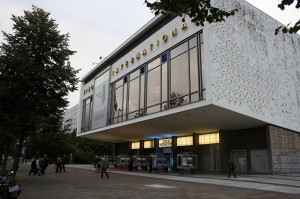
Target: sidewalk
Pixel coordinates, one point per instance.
(83, 182)
(289, 183)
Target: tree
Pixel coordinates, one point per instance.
(61, 143)
(35, 75)
(201, 10)
(296, 27)
(198, 10)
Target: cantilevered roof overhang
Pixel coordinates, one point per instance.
(174, 122)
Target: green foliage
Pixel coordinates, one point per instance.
(289, 29)
(201, 10)
(35, 72)
(198, 10)
(82, 157)
(35, 75)
(61, 143)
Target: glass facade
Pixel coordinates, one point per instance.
(86, 114)
(170, 80)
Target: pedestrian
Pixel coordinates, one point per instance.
(130, 164)
(63, 162)
(33, 167)
(43, 163)
(58, 164)
(231, 168)
(97, 163)
(104, 166)
(71, 158)
(150, 164)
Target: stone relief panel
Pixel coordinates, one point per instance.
(253, 71)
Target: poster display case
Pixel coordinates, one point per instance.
(124, 161)
(113, 161)
(187, 161)
(140, 162)
(159, 161)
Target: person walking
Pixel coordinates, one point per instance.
(63, 162)
(231, 168)
(97, 163)
(104, 166)
(43, 162)
(130, 164)
(33, 168)
(150, 164)
(58, 164)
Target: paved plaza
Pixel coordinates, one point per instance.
(82, 182)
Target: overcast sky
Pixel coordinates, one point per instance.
(97, 27)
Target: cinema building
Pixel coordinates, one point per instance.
(199, 96)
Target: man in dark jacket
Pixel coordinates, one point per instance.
(104, 166)
(231, 168)
(33, 168)
(43, 162)
(63, 162)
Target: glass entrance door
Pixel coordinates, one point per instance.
(209, 157)
(239, 159)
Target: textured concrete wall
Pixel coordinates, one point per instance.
(285, 150)
(252, 71)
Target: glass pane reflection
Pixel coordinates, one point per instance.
(179, 76)
(133, 103)
(153, 91)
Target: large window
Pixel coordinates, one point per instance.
(154, 86)
(119, 102)
(184, 73)
(136, 94)
(128, 97)
(172, 79)
(86, 114)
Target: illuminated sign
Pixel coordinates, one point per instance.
(165, 142)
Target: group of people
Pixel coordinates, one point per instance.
(38, 165)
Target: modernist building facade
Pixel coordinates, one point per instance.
(70, 118)
(200, 96)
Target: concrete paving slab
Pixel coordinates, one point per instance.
(81, 181)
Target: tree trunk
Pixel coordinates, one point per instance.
(1, 152)
(18, 154)
(5, 152)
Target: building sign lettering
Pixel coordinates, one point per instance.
(165, 142)
(164, 38)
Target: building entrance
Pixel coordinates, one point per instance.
(239, 159)
(210, 157)
(259, 161)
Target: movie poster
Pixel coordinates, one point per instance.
(99, 117)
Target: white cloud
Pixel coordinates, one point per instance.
(96, 27)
